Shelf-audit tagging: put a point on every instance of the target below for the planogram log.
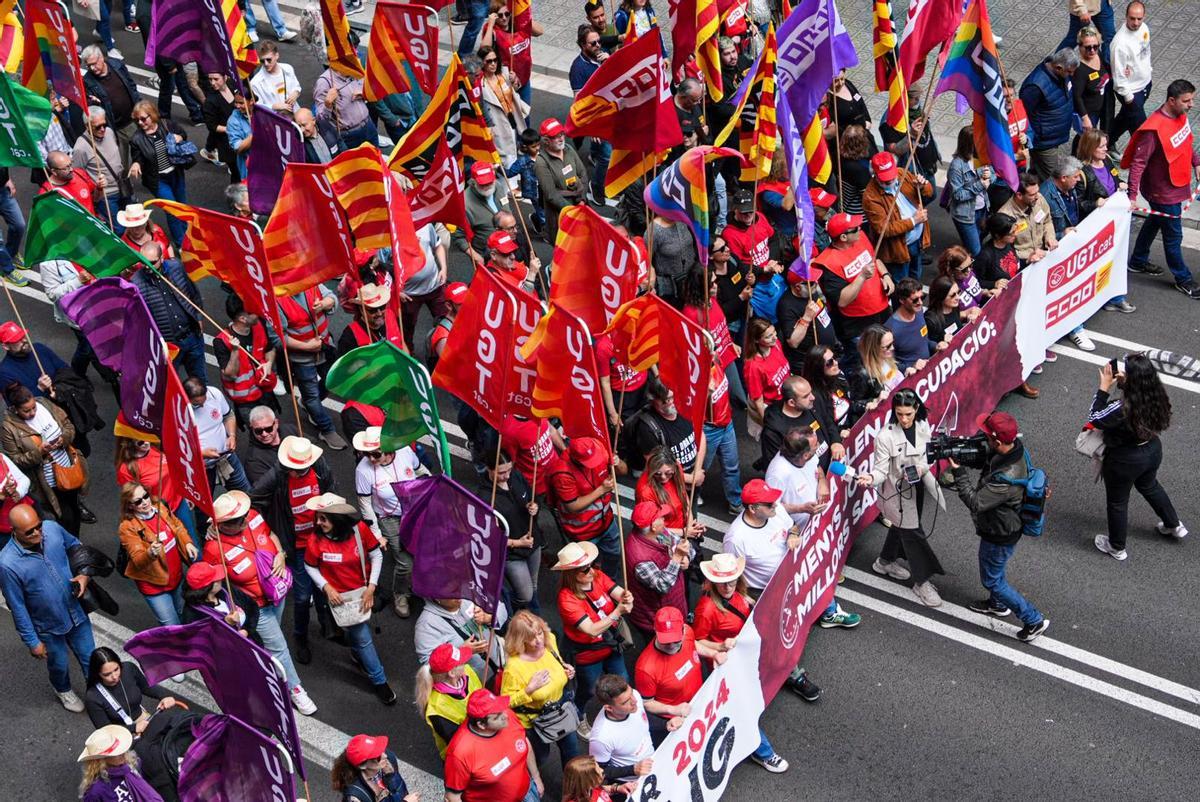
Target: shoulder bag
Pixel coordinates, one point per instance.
(181, 154)
(1090, 443)
(556, 720)
(349, 612)
(275, 588)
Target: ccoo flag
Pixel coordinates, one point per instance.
(210, 32)
(813, 47)
(681, 192)
(275, 141)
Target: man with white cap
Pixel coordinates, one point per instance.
(300, 473)
(256, 564)
(377, 471)
(110, 768)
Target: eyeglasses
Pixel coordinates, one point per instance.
(262, 429)
(142, 118)
(1090, 47)
(831, 361)
(491, 60)
(592, 43)
(889, 347)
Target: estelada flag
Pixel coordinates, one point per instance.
(51, 57)
(647, 328)
(307, 238)
(567, 386)
(401, 34)
(230, 249)
(595, 267)
(339, 50)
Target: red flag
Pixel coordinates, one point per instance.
(438, 198)
(595, 267)
(567, 386)
(307, 239)
(401, 33)
(181, 444)
(930, 24)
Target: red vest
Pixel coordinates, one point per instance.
(391, 329)
(245, 388)
(647, 602)
(301, 323)
(848, 264)
(1018, 123)
(593, 519)
(373, 415)
(1175, 140)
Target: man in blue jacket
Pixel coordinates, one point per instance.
(44, 598)
(178, 321)
(1046, 94)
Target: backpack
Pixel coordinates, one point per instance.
(627, 448)
(1033, 501)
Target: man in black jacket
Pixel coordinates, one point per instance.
(178, 320)
(995, 507)
(321, 139)
(797, 408)
(108, 85)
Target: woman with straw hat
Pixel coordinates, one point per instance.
(110, 768)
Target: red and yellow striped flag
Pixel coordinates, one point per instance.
(340, 52)
(244, 53)
(816, 153)
(356, 177)
(889, 76)
(708, 55)
(385, 56)
(627, 166)
(10, 37)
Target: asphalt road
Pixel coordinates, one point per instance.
(917, 703)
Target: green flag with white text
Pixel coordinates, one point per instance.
(59, 228)
(24, 118)
(382, 375)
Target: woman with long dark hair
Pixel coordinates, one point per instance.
(945, 315)
(831, 390)
(1132, 451)
(115, 690)
(367, 771)
(967, 187)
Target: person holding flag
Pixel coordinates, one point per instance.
(246, 383)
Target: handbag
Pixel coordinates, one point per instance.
(1090, 443)
(124, 185)
(349, 612)
(558, 719)
(68, 477)
(275, 588)
(181, 154)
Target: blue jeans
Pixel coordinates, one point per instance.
(587, 675)
(722, 441)
(912, 267)
(271, 633)
(359, 638)
(188, 518)
(172, 186)
(522, 576)
(1103, 22)
(191, 356)
(609, 543)
(367, 132)
(81, 643)
(532, 794)
(601, 156)
(968, 233)
(236, 481)
(273, 14)
(525, 92)
(722, 192)
(568, 747)
(107, 210)
(1172, 235)
(167, 607)
(306, 377)
(992, 562)
(104, 25)
(764, 750)
(10, 210)
(477, 11)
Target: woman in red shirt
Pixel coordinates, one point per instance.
(765, 367)
(513, 40)
(583, 781)
(662, 483)
(158, 545)
(139, 461)
(591, 606)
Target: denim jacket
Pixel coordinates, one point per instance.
(37, 586)
(523, 166)
(1064, 211)
(964, 187)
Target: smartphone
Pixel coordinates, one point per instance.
(911, 474)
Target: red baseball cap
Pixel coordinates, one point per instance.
(588, 452)
(483, 173)
(550, 127)
(757, 491)
(999, 425)
(365, 747)
(202, 574)
(839, 224)
(448, 657)
(456, 293)
(647, 512)
(11, 333)
(484, 703)
(822, 199)
(668, 625)
(503, 242)
(884, 165)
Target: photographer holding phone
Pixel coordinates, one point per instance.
(901, 466)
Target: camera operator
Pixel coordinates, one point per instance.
(995, 507)
(900, 465)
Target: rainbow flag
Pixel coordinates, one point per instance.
(681, 192)
(51, 54)
(973, 70)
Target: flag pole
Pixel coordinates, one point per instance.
(837, 148)
(99, 169)
(612, 468)
(533, 490)
(496, 468)
(516, 207)
(287, 365)
(13, 302)
(202, 313)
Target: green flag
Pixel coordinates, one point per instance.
(59, 228)
(382, 375)
(24, 118)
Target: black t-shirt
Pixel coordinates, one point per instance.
(654, 430)
(787, 312)
(993, 264)
(939, 324)
(118, 98)
(221, 350)
(729, 290)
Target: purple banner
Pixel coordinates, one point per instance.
(242, 677)
(113, 317)
(191, 30)
(275, 141)
(230, 761)
(456, 540)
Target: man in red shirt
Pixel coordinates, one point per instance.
(855, 282)
(748, 234)
(502, 262)
(61, 177)
(668, 673)
(582, 490)
(489, 759)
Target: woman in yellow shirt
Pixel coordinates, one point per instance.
(535, 681)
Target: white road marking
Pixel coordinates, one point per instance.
(1099, 359)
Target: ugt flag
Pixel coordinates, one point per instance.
(230, 761)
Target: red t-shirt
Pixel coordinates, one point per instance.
(596, 604)
(158, 236)
(528, 441)
(765, 375)
(492, 769)
(81, 188)
(718, 327)
(720, 413)
(713, 623)
(645, 492)
(750, 245)
(300, 490)
(166, 537)
(339, 561)
(670, 679)
(515, 51)
(152, 473)
(239, 555)
(620, 376)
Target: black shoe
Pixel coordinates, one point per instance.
(1146, 269)
(86, 515)
(303, 652)
(926, 259)
(1030, 632)
(385, 693)
(805, 688)
(1189, 289)
(459, 19)
(985, 607)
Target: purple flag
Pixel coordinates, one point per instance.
(456, 540)
(230, 761)
(793, 148)
(814, 46)
(113, 317)
(276, 141)
(191, 30)
(241, 675)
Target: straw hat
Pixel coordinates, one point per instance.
(298, 453)
(113, 740)
(230, 506)
(576, 555)
(135, 214)
(323, 502)
(723, 567)
(371, 296)
(368, 439)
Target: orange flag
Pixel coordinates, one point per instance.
(307, 239)
(595, 267)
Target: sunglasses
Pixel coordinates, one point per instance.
(1090, 47)
(490, 60)
(889, 347)
(142, 118)
(374, 455)
(587, 569)
(98, 126)
(831, 361)
(30, 530)
(262, 429)
(135, 500)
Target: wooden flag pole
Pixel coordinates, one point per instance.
(99, 169)
(13, 302)
(202, 313)
(616, 494)
(287, 366)
(533, 490)
(516, 207)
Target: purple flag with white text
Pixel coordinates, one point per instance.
(456, 539)
(275, 141)
(191, 30)
(793, 148)
(242, 677)
(230, 761)
(813, 47)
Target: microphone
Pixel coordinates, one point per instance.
(843, 470)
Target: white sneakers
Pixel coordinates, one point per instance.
(1178, 532)
(301, 701)
(253, 34)
(1081, 339)
(927, 594)
(1101, 541)
(892, 569)
(288, 35)
(70, 701)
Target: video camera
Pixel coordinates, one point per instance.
(970, 452)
